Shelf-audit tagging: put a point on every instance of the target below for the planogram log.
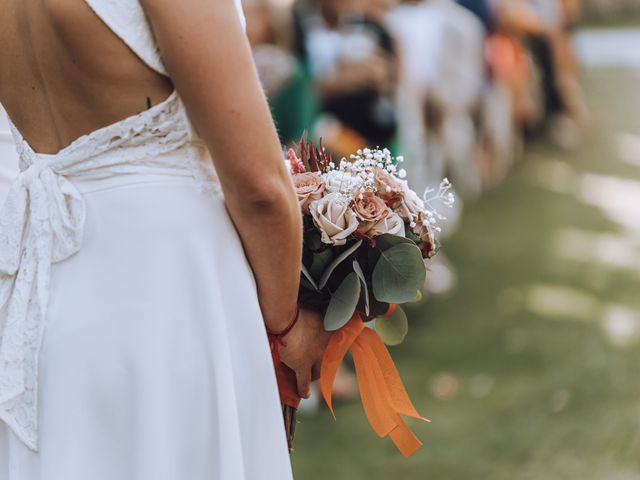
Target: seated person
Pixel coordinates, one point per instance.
(352, 60)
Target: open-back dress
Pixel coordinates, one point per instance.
(132, 345)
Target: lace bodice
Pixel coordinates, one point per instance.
(42, 220)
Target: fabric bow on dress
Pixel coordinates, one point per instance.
(41, 223)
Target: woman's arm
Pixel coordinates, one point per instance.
(207, 54)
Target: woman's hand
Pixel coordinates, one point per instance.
(305, 346)
(375, 72)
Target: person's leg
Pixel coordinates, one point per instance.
(541, 50)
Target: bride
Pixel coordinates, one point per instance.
(149, 243)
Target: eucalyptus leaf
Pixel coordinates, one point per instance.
(320, 262)
(412, 236)
(393, 329)
(373, 255)
(365, 289)
(305, 285)
(386, 241)
(399, 274)
(309, 278)
(337, 261)
(343, 304)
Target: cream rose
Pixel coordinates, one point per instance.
(392, 224)
(411, 204)
(369, 209)
(342, 182)
(333, 216)
(309, 187)
(424, 232)
(389, 188)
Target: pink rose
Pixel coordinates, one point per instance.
(391, 224)
(309, 187)
(411, 205)
(370, 209)
(389, 188)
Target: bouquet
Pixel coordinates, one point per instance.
(366, 235)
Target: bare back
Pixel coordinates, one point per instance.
(64, 73)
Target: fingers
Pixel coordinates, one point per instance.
(304, 382)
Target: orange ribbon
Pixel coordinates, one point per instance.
(383, 395)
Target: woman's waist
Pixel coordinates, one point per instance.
(189, 164)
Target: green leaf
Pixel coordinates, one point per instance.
(399, 274)
(386, 241)
(363, 281)
(337, 261)
(393, 329)
(320, 262)
(305, 285)
(373, 255)
(309, 278)
(343, 303)
(412, 236)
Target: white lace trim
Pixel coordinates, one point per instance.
(42, 222)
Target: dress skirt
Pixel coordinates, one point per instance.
(155, 363)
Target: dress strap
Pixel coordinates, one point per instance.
(127, 19)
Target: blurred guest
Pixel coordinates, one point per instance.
(497, 119)
(352, 59)
(545, 24)
(566, 58)
(483, 10)
(441, 80)
(286, 85)
(440, 85)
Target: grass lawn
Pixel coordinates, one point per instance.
(531, 368)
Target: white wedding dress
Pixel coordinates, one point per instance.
(8, 156)
(131, 345)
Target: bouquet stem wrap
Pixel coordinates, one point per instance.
(384, 397)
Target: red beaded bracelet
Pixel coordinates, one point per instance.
(276, 339)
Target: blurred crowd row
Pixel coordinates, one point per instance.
(456, 87)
